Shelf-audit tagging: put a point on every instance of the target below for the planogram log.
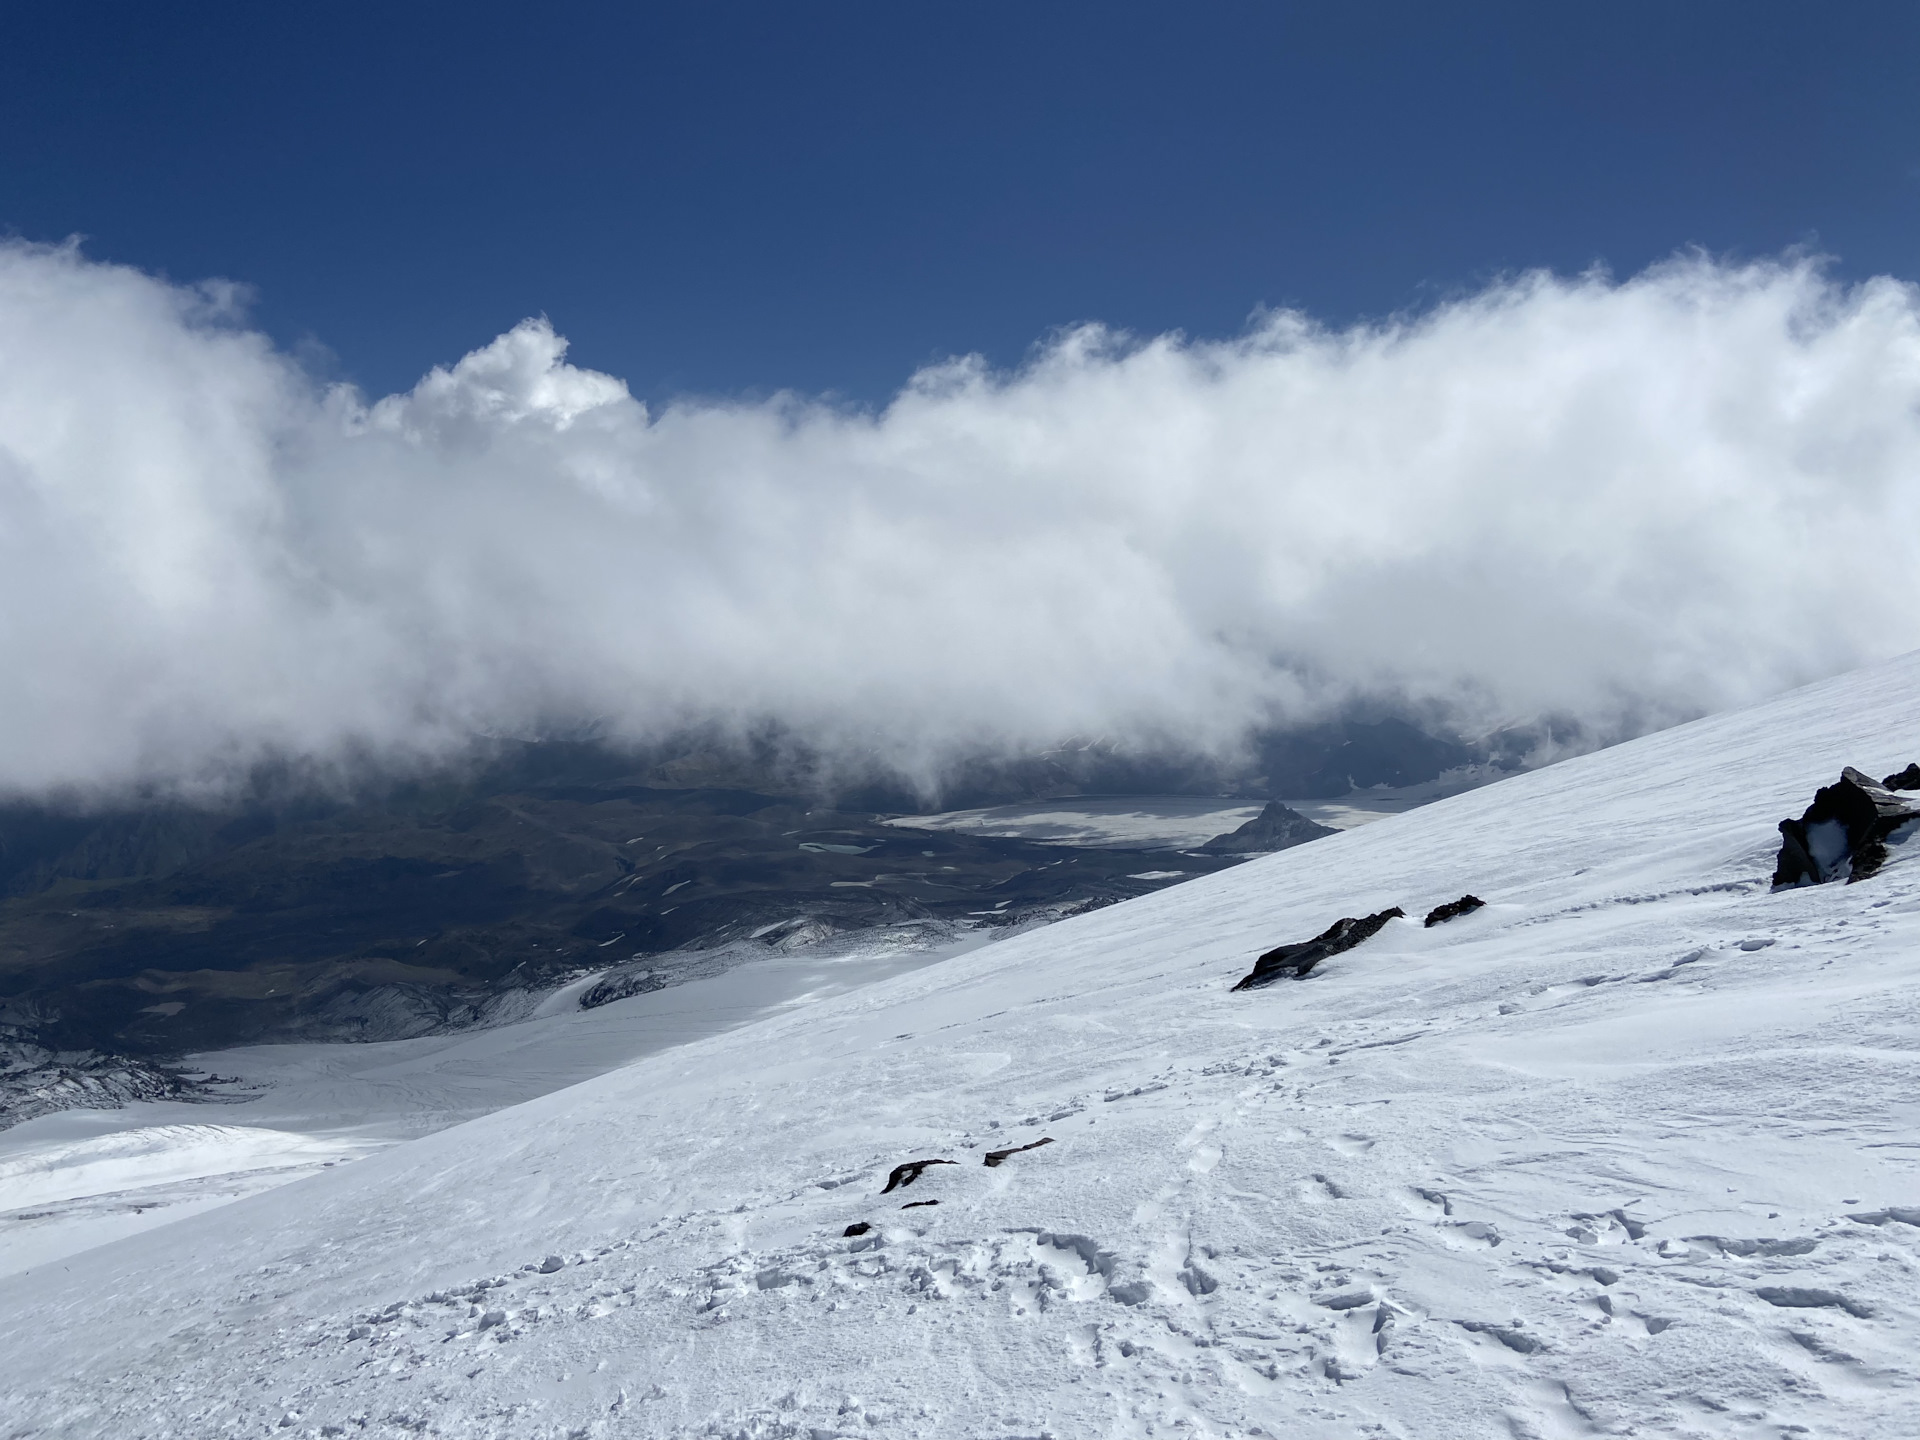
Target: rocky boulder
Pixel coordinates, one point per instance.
(1297, 959)
(1907, 779)
(1454, 909)
(1843, 834)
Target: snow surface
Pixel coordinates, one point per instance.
(1133, 822)
(79, 1178)
(1630, 1151)
(70, 1191)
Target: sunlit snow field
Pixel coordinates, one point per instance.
(79, 1178)
(1630, 1151)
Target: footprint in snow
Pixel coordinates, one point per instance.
(1796, 1297)
(1317, 1188)
(1429, 1203)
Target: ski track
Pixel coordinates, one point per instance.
(1630, 1151)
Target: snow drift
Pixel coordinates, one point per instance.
(1629, 1149)
(1617, 504)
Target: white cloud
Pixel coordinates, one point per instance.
(1626, 502)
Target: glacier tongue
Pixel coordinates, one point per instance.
(1629, 1150)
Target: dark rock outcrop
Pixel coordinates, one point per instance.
(622, 984)
(998, 1157)
(905, 1175)
(859, 1227)
(35, 1081)
(1274, 828)
(1299, 958)
(1453, 910)
(1907, 779)
(1843, 834)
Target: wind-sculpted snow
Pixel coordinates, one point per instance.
(1628, 1150)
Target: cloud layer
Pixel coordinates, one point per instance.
(1623, 502)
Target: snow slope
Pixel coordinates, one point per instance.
(1630, 1151)
(79, 1178)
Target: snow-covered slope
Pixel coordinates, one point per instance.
(1631, 1150)
(79, 1178)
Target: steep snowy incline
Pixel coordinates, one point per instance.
(1631, 1150)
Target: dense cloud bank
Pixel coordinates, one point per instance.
(1625, 502)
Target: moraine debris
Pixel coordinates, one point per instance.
(1453, 910)
(905, 1175)
(1843, 834)
(1299, 958)
(996, 1157)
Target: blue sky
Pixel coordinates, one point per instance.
(737, 198)
(1603, 504)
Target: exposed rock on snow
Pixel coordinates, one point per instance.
(1299, 958)
(1274, 828)
(999, 1157)
(37, 1081)
(1843, 835)
(858, 1228)
(1907, 779)
(620, 984)
(905, 1175)
(1453, 910)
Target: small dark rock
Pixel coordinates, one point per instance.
(1453, 910)
(1907, 779)
(917, 1204)
(1843, 833)
(996, 1157)
(1299, 958)
(1274, 828)
(859, 1227)
(905, 1175)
